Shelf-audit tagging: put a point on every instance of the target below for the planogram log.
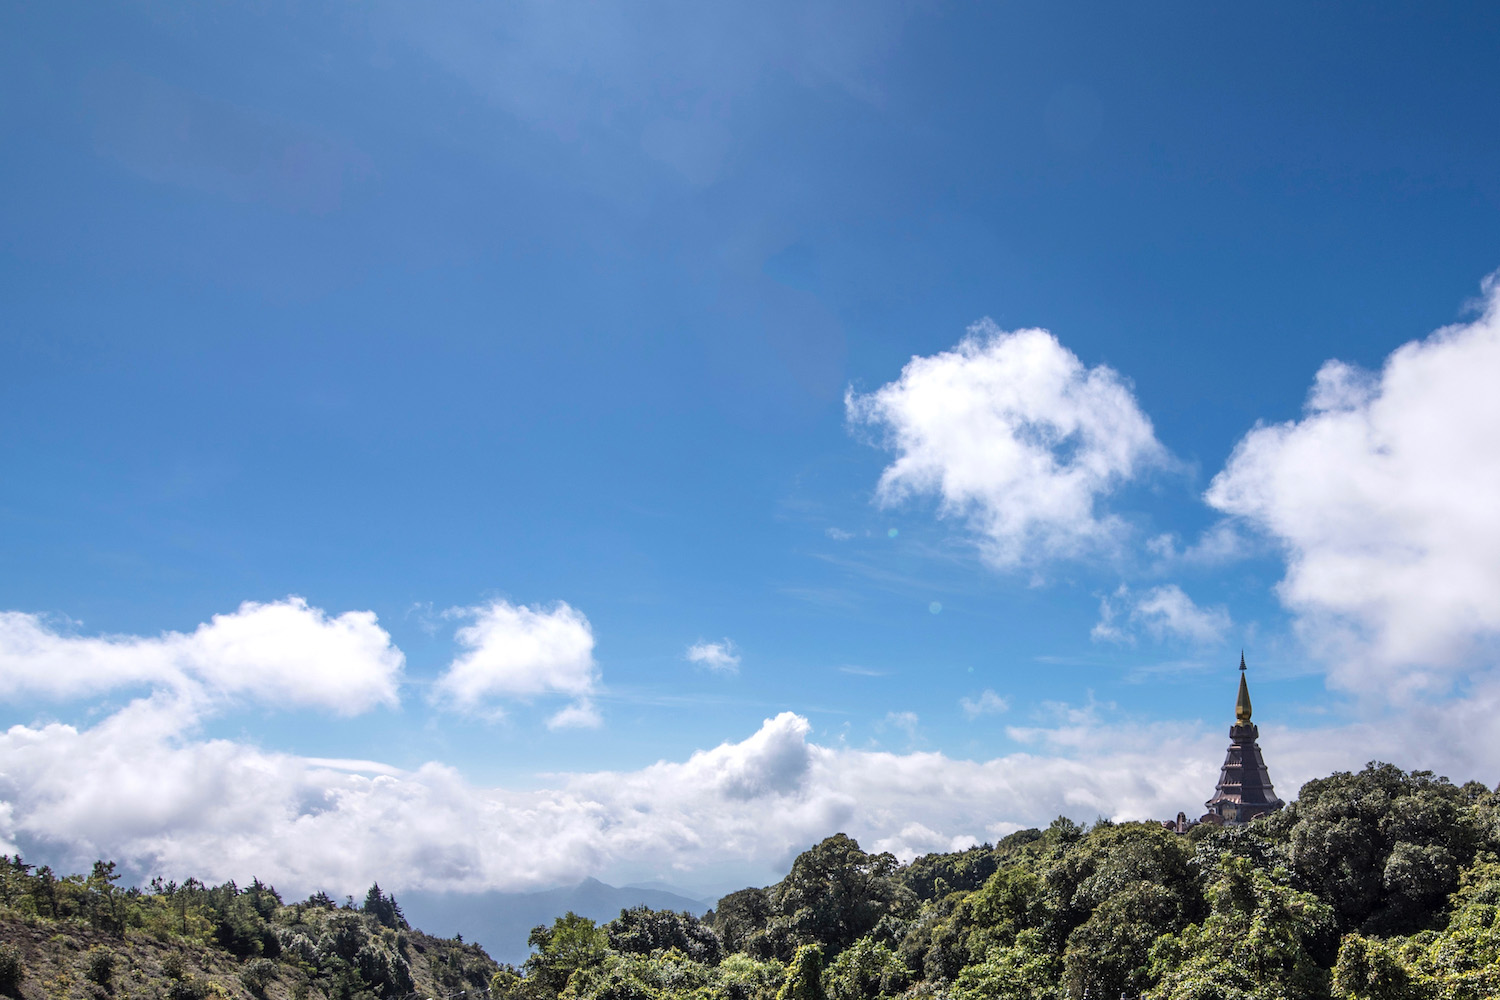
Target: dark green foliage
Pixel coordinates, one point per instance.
(99, 967)
(11, 968)
(238, 926)
(101, 900)
(1258, 940)
(935, 944)
(641, 931)
(1384, 847)
(834, 895)
(384, 909)
(1009, 903)
(740, 917)
(264, 899)
(187, 988)
(935, 875)
(1111, 897)
(1460, 962)
(1116, 861)
(458, 967)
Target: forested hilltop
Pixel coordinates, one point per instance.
(1381, 885)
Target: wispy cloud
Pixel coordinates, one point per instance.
(1164, 613)
(1220, 544)
(988, 703)
(905, 721)
(581, 714)
(863, 671)
(717, 656)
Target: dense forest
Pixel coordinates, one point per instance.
(1381, 885)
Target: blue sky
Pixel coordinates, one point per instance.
(501, 354)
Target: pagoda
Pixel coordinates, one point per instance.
(1244, 791)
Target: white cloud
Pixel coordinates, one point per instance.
(521, 652)
(1165, 613)
(130, 790)
(134, 787)
(838, 534)
(1220, 544)
(719, 656)
(988, 703)
(906, 722)
(1384, 498)
(1014, 435)
(281, 653)
(581, 714)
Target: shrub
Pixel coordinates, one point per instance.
(10, 969)
(257, 974)
(187, 988)
(99, 966)
(171, 966)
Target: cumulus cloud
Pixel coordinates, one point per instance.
(719, 656)
(1383, 496)
(1165, 613)
(281, 653)
(988, 703)
(1016, 437)
(520, 652)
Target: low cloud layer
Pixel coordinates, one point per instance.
(1015, 436)
(135, 787)
(131, 788)
(1384, 498)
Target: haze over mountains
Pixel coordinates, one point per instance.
(500, 921)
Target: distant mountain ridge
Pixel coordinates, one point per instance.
(500, 921)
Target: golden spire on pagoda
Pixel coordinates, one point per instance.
(1242, 703)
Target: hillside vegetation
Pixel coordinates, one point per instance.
(84, 936)
(1381, 885)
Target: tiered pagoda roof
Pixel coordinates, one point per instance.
(1244, 791)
